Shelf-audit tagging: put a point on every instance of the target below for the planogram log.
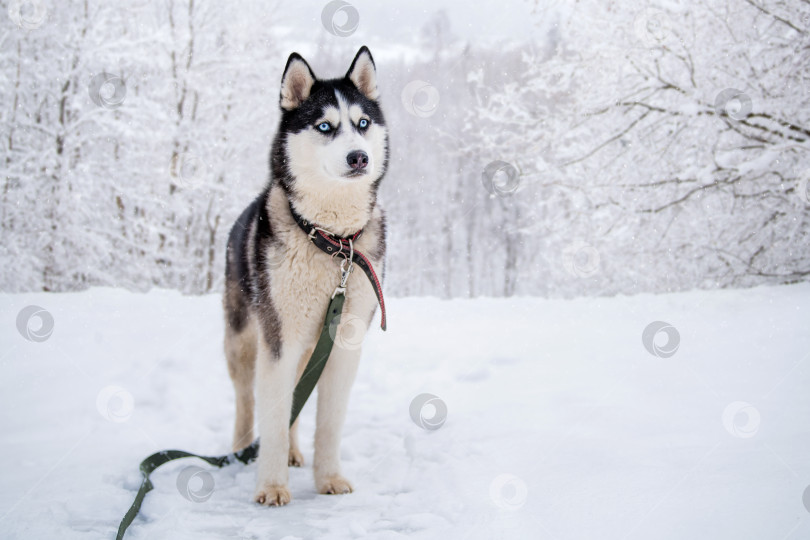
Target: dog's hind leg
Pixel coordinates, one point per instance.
(296, 457)
(240, 350)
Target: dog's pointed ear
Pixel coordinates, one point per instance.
(296, 83)
(363, 73)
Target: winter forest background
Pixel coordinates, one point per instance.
(601, 147)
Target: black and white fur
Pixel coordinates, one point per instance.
(278, 284)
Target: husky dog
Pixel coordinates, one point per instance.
(327, 161)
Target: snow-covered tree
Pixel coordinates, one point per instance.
(629, 148)
(677, 138)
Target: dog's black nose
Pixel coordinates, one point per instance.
(357, 159)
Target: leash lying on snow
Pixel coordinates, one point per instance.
(326, 242)
(302, 391)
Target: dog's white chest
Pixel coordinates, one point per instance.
(302, 282)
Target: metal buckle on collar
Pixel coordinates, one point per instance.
(314, 229)
(350, 257)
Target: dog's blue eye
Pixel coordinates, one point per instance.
(363, 123)
(324, 126)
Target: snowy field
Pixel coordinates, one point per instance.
(560, 424)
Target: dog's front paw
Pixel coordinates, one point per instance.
(334, 485)
(296, 458)
(272, 495)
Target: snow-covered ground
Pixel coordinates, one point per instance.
(560, 424)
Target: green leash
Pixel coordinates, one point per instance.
(301, 393)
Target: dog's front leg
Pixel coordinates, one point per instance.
(333, 397)
(275, 383)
